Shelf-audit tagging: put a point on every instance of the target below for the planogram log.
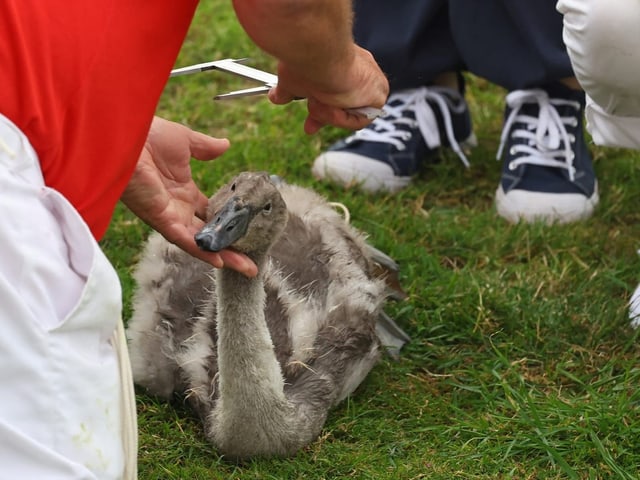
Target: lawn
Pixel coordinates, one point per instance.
(522, 363)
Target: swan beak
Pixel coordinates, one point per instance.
(229, 225)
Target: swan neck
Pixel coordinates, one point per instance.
(246, 354)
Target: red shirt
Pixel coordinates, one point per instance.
(81, 79)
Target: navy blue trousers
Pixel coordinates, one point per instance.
(513, 43)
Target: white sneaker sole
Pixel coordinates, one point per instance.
(350, 169)
(522, 205)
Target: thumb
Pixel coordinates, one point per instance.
(280, 96)
(205, 147)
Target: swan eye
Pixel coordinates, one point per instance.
(233, 187)
(267, 208)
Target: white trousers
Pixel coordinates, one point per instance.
(61, 404)
(603, 41)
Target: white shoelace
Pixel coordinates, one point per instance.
(549, 143)
(384, 130)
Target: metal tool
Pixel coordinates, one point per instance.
(268, 80)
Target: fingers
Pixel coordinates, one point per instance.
(312, 126)
(239, 262)
(224, 259)
(279, 96)
(201, 206)
(204, 147)
(321, 114)
(183, 238)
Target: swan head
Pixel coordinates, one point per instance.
(247, 214)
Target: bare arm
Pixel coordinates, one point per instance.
(318, 58)
(308, 35)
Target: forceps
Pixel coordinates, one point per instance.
(268, 81)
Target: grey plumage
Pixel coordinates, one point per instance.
(261, 360)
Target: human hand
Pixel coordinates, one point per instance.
(163, 194)
(357, 83)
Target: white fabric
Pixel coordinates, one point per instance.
(612, 130)
(129, 415)
(60, 302)
(603, 41)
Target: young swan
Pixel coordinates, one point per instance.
(263, 359)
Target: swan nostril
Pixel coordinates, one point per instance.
(204, 240)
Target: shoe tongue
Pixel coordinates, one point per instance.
(403, 110)
(398, 103)
(560, 90)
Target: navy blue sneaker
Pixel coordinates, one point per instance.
(387, 153)
(547, 173)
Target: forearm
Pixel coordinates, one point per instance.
(289, 30)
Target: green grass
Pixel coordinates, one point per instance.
(522, 363)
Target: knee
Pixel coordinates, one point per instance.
(603, 41)
(596, 30)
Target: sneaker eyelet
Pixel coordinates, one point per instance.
(511, 166)
(572, 138)
(512, 151)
